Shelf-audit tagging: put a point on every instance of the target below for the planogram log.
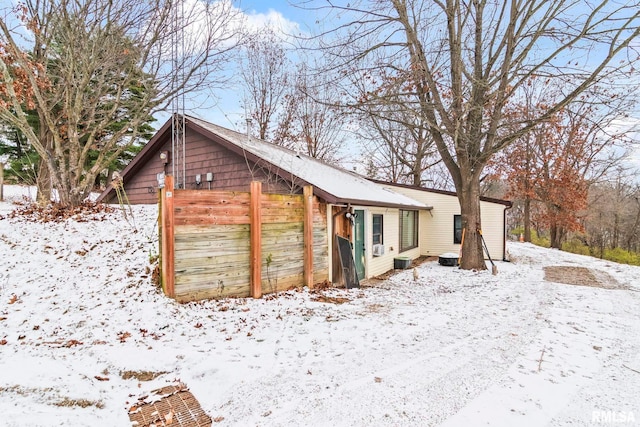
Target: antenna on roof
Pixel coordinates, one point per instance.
(178, 148)
(248, 120)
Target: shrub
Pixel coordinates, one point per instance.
(622, 256)
(543, 241)
(576, 246)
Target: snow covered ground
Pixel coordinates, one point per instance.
(83, 329)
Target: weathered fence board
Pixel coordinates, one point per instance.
(221, 240)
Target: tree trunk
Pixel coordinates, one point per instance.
(527, 220)
(472, 250)
(616, 231)
(43, 179)
(43, 184)
(555, 234)
(417, 178)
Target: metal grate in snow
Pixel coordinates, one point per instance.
(173, 406)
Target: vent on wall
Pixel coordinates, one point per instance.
(378, 250)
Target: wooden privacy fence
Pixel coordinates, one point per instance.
(221, 243)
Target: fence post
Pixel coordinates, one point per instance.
(160, 271)
(308, 236)
(255, 215)
(168, 248)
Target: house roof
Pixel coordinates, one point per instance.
(507, 203)
(331, 183)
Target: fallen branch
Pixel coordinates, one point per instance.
(631, 369)
(540, 361)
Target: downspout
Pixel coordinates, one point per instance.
(504, 233)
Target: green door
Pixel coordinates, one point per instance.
(358, 241)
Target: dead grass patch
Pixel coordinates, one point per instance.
(50, 394)
(141, 375)
(81, 403)
(376, 308)
(328, 299)
(24, 391)
(581, 276)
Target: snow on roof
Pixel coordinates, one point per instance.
(344, 185)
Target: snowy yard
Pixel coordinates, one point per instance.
(84, 333)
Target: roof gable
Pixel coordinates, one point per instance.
(331, 183)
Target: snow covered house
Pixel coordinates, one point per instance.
(384, 223)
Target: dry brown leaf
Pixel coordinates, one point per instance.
(99, 378)
(57, 212)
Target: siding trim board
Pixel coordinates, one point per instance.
(444, 192)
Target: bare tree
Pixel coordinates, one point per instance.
(84, 66)
(266, 78)
(464, 62)
(397, 141)
(613, 218)
(399, 152)
(310, 121)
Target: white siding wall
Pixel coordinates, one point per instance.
(437, 225)
(435, 234)
(493, 228)
(390, 238)
(376, 265)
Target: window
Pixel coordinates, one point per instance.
(408, 230)
(377, 229)
(457, 229)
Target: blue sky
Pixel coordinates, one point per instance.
(227, 111)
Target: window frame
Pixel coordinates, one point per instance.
(457, 229)
(416, 226)
(380, 234)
